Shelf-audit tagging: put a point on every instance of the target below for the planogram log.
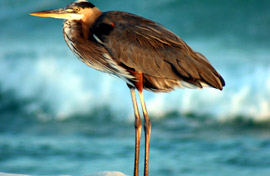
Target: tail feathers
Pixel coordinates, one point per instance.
(195, 69)
(211, 77)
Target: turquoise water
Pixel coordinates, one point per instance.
(57, 116)
(179, 146)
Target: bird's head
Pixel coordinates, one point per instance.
(78, 10)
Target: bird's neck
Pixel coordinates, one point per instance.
(88, 20)
(75, 29)
(90, 16)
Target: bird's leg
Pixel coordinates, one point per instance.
(147, 130)
(138, 129)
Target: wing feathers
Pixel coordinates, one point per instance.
(165, 59)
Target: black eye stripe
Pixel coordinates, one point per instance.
(84, 4)
(81, 5)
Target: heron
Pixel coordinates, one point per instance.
(140, 51)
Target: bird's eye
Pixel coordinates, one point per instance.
(76, 9)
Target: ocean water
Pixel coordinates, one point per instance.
(58, 116)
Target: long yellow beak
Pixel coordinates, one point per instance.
(57, 13)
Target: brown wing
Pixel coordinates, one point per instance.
(147, 47)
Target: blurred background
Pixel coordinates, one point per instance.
(57, 116)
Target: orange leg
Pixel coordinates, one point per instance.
(147, 123)
(147, 130)
(138, 129)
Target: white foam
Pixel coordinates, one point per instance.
(68, 87)
(106, 173)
